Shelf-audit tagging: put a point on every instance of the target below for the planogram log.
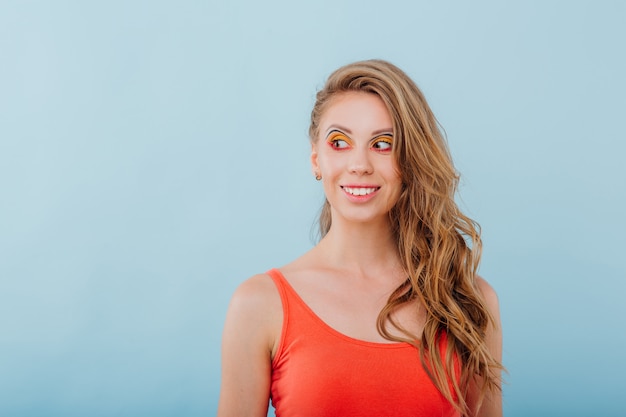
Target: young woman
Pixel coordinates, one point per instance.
(385, 316)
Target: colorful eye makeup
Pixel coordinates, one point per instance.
(338, 140)
(382, 143)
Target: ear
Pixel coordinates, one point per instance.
(315, 166)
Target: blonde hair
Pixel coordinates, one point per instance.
(438, 245)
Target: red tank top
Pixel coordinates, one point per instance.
(318, 371)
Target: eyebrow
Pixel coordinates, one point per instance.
(342, 129)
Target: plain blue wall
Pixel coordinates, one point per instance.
(154, 154)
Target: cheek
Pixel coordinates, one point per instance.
(396, 182)
(391, 172)
(328, 164)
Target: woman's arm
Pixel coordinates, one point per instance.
(492, 402)
(251, 332)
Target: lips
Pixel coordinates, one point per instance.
(360, 190)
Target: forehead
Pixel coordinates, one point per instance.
(356, 111)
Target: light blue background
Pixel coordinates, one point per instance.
(154, 154)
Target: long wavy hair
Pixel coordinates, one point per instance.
(439, 246)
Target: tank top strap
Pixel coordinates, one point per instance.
(283, 288)
(288, 298)
(293, 305)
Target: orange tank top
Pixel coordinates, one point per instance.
(318, 371)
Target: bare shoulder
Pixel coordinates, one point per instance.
(489, 295)
(492, 401)
(257, 292)
(251, 331)
(255, 312)
(256, 300)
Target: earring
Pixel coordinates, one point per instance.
(318, 176)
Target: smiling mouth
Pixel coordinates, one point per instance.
(360, 190)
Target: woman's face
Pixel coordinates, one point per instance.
(353, 155)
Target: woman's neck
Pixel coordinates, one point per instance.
(359, 246)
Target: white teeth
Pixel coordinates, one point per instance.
(359, 191)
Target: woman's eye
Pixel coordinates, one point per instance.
(382, 145)
(339, 142)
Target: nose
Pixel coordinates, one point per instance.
(360, 163)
